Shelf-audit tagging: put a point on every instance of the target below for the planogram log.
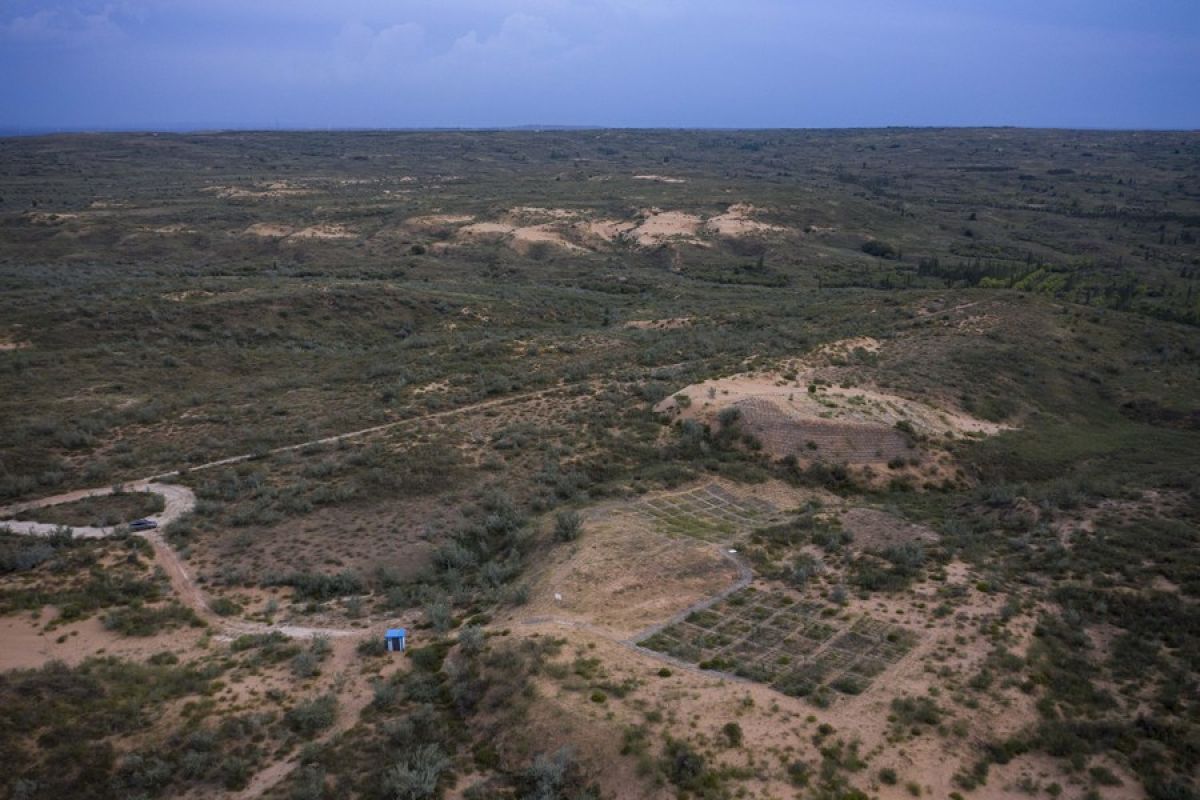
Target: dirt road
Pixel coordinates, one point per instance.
(179, 500)
(499, 401)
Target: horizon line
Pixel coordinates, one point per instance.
(19, 131)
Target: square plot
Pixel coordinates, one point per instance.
(768, 637)
(704, 619)
(853, 642)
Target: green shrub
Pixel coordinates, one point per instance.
(567, 526)
(916, 711)
(313, 716)
(139, 620)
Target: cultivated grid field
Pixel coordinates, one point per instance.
(708, 512)
(829, 440)
(771, 638)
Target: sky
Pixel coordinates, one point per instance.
(189, 64)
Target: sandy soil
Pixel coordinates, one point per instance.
(268, 230)
(326, 231)
(354, 693)
(50, 217)
(607, 230)
(659, 227)
(779, 729)
(270, 190)
(844, 347)
(622, 577)
(790, 396)
(659, 324)
(172, 229)
(659, 178)
(738, 221)
(521, 237)
(551, 213)
(24, 643)
(437, 220)
(486, 229)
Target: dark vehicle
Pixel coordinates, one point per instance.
(142, 525)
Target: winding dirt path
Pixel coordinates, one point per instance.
(180, 500)
(290, 448)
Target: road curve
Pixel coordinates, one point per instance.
(179, 500)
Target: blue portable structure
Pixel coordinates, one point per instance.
(396, 639)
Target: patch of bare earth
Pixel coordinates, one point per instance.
(659, 324)
(622, 576)
(326, 231)
(738, 221)
(607, 230)
(275, 189)
(659, 178)
(438, 220)
(793, 413)
(25, 643)
(779, 730)
(269, 230)
(516, 231)
(656, 227)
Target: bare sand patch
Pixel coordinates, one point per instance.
(697, 704)
(487, 229)
(738, 221)
(521, 238)
(172, 229)
(266, 191)
(794, 416)
(325, 231)
(659, 324)
(608, 230)
(524, 238)
(14, 344)
(50, 217)
(621, 576)
(659, 178)
(25, 644)
(551, 213)
(792, 397)
(843, 348)
(269, 230)
(438, 220)
(660, 227)
(187, 294)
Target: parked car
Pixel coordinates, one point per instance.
(142, 525)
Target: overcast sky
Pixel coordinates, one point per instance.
(669, 63)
